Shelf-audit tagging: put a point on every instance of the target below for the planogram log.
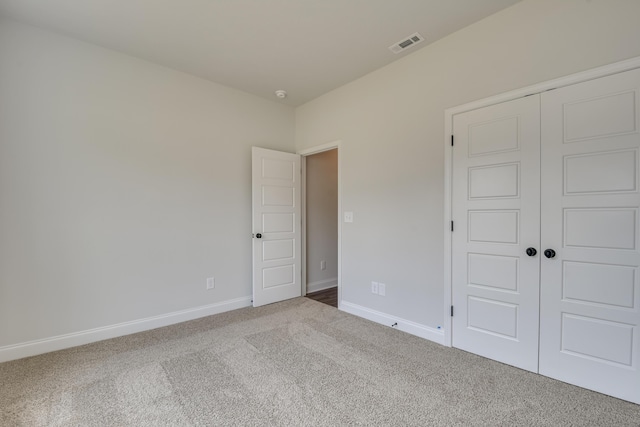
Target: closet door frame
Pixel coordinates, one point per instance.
(584, 76)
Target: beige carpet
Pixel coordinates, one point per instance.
(296, 363)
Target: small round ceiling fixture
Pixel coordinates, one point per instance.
(282, 94)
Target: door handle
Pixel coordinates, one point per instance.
(549, 253)
(258, 236)
(531, 251)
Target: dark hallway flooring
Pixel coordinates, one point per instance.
(326, 296)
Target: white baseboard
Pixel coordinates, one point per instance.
(422, 331)
(321, 285)
(45, 345)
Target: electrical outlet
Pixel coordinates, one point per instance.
(382, 289)
(374, 287)
(323, 265)
(211, 283)
(348, 217)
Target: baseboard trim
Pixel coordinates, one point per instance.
(60, 342)
(321, 285)
(422, 331)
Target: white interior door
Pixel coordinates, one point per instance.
(590, 294)
(496, 214)
(276, 226)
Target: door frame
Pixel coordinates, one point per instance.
(616, 67)
(303, 165)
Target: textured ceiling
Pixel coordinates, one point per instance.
(306, 47)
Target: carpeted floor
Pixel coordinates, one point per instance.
(296, 363)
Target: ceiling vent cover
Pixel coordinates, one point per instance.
(405, 44)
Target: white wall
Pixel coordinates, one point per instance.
(322, 219)
(123, 186)
(391, 125)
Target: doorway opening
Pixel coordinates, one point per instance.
(321, 237)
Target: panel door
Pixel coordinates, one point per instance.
(276, 226)
(590, 295)
(496, 213)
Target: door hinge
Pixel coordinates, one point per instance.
(451, 225)
(452, 140)
(451, 311)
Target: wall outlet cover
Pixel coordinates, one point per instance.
(382, 289)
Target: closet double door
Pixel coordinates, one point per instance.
(545, 256)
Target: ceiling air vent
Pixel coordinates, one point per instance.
(405, 44)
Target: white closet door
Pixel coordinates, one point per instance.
(590, 295)
(496, 213)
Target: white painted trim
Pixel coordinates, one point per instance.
(607, 70)
(340, 163)
(448, 171)
(583, 76)
(303, 225)
(320, 148)
(422, 331)
(308, 152)
(321, 285)
(60, 342)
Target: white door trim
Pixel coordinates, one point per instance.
(304, 153)
(580, 77)
(320, 148)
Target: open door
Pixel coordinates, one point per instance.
(276, 226)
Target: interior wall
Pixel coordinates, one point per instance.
(322, 219)
(391, 124)
(123, 186)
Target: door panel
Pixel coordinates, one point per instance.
(493, 317)
(493, 271)
(590, 294)
(276, 217)
(495, 181)
(496, 194)
(606, 172)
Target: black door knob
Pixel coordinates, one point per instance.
(259, 236)
(550, 253)
(531, 251)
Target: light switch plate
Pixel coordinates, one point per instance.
(348, 217)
